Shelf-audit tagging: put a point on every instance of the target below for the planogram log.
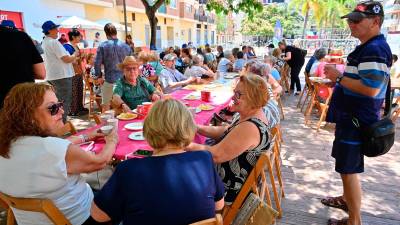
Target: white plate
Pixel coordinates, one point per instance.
(136, 136)
(134, 126)
(198, 110)
(134, 111)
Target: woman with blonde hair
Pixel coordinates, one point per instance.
(35, 163)
(240, 144)
(183, 185)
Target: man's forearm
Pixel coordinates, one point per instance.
(358, 87)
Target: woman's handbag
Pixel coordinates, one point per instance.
(378, 138)
(254, 211)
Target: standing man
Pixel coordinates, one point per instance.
(295, 58)
(19, 60)
(58, 63)
(358, 96)
(109, 54)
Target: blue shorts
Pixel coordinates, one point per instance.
(346, 149)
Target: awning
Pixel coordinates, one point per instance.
(77, 22)
(119, 26)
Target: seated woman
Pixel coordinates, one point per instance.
(35, 163)
(240, 144)
(170, 187)
(271, 61)
(198, 69)
(319, 55)
(225, 63)
(271, 109)
(132, 89)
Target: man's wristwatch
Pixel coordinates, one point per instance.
(339, 78)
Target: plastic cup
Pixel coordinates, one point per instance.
(140, 111)
(113, 122)
(106, 129)
(111, 113)
(205, 96)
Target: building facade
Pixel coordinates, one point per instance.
(181, 21)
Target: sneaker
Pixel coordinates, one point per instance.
(297, 93)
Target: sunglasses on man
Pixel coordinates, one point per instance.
(54, 108)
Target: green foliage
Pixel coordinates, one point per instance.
(222, 22)
(249, 7)
(263, 23)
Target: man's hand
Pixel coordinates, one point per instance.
(155, 97)
(331, 72)
(125, 108)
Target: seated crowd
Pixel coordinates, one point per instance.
(31, 141)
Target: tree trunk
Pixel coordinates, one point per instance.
(151, 15)
(305, 22)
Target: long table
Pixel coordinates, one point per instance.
(221, 94)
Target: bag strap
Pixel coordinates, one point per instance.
(388, 99)
(145, 90)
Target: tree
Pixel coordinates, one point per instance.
(306, 6)
(151, 10)
(219, 6)
(263, 23)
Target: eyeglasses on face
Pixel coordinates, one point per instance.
(237, 94)
(54, 108)
(131, 68)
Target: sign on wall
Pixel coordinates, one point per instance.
(14, 16)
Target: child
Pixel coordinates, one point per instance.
(90, 71)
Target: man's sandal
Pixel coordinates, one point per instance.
(338, 222)
(335, 202)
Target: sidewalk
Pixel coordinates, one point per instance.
(308, 172)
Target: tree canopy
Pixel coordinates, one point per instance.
(263, 23)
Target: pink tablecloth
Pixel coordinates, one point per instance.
(127, 146)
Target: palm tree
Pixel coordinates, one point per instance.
(307, 6)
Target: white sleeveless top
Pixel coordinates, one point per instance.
(37, 169)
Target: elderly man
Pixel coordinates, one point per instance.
(170, 78)
(357, 99)
(109, 54)
(58, 63)
(198, 69)
(132, 89)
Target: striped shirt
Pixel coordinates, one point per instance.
(370, 63)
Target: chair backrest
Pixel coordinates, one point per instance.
(217, 220)
(68, 128)
(45, 206)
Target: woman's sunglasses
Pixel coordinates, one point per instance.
(54, 108)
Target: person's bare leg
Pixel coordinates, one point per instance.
(352, 196)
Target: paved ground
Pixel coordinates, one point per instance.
(308, 172)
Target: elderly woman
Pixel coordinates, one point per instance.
(198, 69)
(132, 90)
(240, 144)
(183, 185)
(226, 62)
(319, 55)
(34, 163)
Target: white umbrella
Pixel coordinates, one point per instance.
(77, 22)
(119, 26)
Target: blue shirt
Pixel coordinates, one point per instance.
(170, 190)
(110, 53)
(239, 63)
(275, 74)
(309, 64)
(370, 63)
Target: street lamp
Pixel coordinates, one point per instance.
(125, 20)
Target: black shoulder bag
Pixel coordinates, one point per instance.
(378, 138)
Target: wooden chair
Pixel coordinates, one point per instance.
(285, 78)
(279, 100)
(213, 221)
(324, 106)
(396, 111)
(306, 91)
(67, 129)
(92, 96)
(266, 162)
(45, 206)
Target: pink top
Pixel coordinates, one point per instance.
(127, 146)
(320, 70)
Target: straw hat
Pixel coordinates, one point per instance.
(129, 60)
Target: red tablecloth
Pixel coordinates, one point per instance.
(126, 146)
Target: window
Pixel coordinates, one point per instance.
(198, 26)
(172, 4)
(188, 8)
(133, 16)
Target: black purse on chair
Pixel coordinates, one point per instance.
(378, 138)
